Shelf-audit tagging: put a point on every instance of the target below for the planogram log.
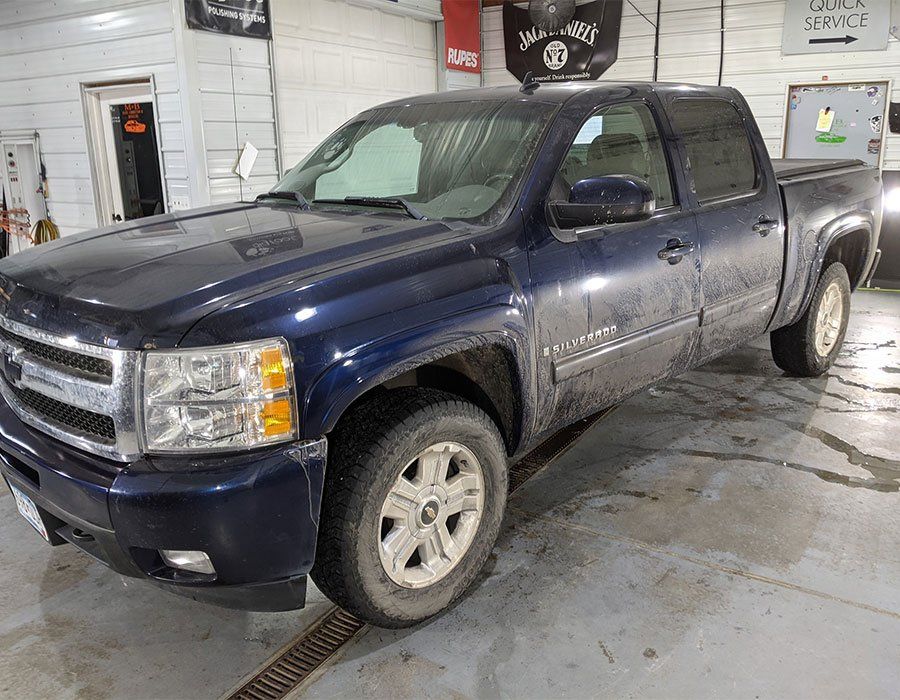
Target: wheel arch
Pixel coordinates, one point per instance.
(851, 249)
(481, 357)
(848, 240)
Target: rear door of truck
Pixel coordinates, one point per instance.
(738, 208)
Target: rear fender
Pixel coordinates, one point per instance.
(830, 234)
(369, 366)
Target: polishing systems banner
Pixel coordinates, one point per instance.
(582, 50)
(237, 17)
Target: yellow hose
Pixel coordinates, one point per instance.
(44, 231)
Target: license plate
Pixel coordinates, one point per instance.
(29, 511)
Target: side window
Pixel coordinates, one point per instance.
(383, 163)
(718, 147)
(620, 140)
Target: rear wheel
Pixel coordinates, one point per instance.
(413, 500)
(809, 347)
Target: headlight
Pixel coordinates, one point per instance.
(218, 398)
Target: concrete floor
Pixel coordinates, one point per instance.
(734, 533)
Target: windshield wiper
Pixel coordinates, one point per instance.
(387, 202)
(284, 194)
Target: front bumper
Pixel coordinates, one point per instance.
(255, 514)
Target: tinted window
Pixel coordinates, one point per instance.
(620, 140)
(718, 146)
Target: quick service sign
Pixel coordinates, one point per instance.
(830, 26)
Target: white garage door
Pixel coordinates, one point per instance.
(334, 59)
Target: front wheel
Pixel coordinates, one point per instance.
(809, 347)
(413, 501)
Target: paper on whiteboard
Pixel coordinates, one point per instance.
(826, 119)
(246, 161)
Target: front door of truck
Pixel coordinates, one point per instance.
(738, 209)
(616, 310)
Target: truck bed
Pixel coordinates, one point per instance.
(786, 168)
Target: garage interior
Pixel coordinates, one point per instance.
(727, 530)
(733, 532)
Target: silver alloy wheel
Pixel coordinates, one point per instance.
(432, 511)
(829, 319)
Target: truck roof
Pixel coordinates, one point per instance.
(555, 92)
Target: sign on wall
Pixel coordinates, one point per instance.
(237, 17)
(582, 50)
(462, 35)
(829, 26)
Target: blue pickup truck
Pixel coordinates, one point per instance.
(331, 381)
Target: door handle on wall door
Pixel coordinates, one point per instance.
(675, 250)
(764, 226)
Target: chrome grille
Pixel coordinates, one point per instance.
(68, 417)
(79, 393)
(60, 356)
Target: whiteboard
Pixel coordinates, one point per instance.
(857, 128)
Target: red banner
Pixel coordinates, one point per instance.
(462, 35)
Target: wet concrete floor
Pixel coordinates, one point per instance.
(732, 533)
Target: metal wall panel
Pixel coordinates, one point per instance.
(334, 59)
(48, 49)
(237, 106)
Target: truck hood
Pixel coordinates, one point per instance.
(145, 283)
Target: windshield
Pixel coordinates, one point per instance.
(449, 160)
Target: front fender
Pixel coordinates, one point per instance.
(367, 367)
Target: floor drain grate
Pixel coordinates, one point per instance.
(550, 449)
(303, 657)
(321, 641)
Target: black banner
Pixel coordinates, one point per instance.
(238, 17)
(582, 50)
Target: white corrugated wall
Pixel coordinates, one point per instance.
(48, 48)
(689, 52)
(237, 106)
(334, 59)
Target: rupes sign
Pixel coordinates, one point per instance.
(462, 35)
(238, 17)
(582, 50)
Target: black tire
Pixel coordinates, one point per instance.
(369, 450)
(794, 346)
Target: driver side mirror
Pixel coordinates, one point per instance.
(599, 201)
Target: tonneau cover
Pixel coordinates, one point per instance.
(794, 167)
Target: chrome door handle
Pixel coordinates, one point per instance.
(675, 250)
(764, 226)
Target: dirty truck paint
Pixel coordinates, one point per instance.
(585, 320)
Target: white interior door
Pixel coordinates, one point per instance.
(335, 59)
(119, 169)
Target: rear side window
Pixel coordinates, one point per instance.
(718, 147)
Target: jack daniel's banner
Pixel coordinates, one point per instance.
(238, 17)
(582, 50)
